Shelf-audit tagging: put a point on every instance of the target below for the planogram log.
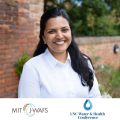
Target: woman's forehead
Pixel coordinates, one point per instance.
(57, 22)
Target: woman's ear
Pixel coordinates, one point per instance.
(44, 39)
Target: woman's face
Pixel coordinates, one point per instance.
(57, 35)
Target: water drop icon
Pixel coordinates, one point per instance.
(85, 105)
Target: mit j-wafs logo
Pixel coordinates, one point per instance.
(30, 110)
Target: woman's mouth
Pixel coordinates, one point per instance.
(59, 42)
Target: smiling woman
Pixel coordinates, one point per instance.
(57, 35)
(58, 69)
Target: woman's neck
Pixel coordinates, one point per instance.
(60, 56)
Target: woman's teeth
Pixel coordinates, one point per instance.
(59, 43)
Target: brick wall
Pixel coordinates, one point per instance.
(19, 31)
(100, 46)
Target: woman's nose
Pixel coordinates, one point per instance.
(59, 35)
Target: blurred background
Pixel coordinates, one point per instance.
(96, 28)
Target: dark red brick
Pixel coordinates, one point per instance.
(7, 8)
(8, 3)
(2, 32)
(15, 8)
(2, 61)
(2, 46)
(26, 15)
(7, 84)
(1, 17)
(6, 75)
(11, 88)
(2, 81)
(5, 27)
(23, 49)
(16, 36)
(15, 18)
(12, 60)
(9, 22)
(11, 13)
(2, 51)
(23, 41)
(8, 31)
(23, 5)
(8, 65)
(8, 36)
(10, 41)
(10, 51)
(33, 40)
(10, 70)
(7, 17)
(1, 22)
(1, 11)
(32, 37)
(2, 90)
(2, 95)
(2, 85)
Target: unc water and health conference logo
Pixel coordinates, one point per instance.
(29, 109)
(88, 114)
(85, 105)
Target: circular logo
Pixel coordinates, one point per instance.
(29, 109)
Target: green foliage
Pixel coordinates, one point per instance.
(109, 78)
(102, 89)
(114, 84)
(91, 17)
(102, 27)
(105, 27)
(20, 63)
(96, 7)
(106, 69)
(16, 92)
(113, 4)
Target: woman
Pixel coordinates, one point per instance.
(58, 69)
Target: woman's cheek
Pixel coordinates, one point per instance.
(68, 35)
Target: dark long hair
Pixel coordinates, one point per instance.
(79, 61)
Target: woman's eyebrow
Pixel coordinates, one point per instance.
(50, 29)
(54, 28)
(65, 27)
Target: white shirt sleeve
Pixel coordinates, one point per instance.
(94, 92)
(29, 86)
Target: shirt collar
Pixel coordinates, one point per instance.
(52, 61)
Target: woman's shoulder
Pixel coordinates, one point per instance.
(34, 61)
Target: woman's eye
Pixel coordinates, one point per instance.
(64, 30)
(51, 31)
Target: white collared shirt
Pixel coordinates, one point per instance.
(44, 76)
